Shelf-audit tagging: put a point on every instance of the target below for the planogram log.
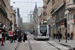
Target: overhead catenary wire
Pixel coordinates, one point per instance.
(26, 2)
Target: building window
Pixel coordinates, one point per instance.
(74, 16)
(68, 27)
(11, 16)
(74, 1)
(68, 17)
(53, 1)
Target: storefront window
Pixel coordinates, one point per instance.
(74, 16)
(68, 17)
(74, 1)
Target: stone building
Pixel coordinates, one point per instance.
(39, 14)
(13, 19)
(57, 12)
(4, 13)
(20, 23)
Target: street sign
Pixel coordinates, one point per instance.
(56, 27)
(52, 26)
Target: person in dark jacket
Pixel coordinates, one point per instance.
(56, 35)
(53, 36)
(14, 37)
(25, 37)
(68, 35)
(20, 38)
(3, 36)
(59, 36)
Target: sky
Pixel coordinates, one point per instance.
(26, 6)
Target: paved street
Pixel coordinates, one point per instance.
(40, 45)
(32, 44)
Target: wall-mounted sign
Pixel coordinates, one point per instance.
(56, 27)
(52, 26)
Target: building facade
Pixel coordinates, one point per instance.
(57, 12)
(20, 23)
(13, 19)
(40, 12)
(4, 14)
(35, 16)
(30, 18)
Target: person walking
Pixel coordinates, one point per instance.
(59, 36)
(14, 37)
(53, 36)
(68, 35)
(72, 34)
(24, 37)
(56, 35)
(11, 36)
(5, 34)
(20, 38)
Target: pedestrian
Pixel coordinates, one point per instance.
(11, 36)
(14, 36)
(72, 34)
(20, 38)
(53, 36)
(56, 35)
(59, 36)
(68, 35)
(24, 37)
(3, 36)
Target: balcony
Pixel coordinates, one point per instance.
(45, 6)
(44, 13)
(71, 5)
(2, 4)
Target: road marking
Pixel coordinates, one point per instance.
(36, 42)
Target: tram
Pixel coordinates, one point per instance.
(41, 32)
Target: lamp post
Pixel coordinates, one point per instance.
(65, 24)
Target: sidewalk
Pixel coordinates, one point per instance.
(8, 46)
(70, 43)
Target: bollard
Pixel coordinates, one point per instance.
(2, 42)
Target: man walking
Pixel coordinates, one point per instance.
(59, 36)
(24, 37)
(68, 35)
(72, 34)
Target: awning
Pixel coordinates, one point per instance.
(59, 7)
(3, 30)
(3, 10)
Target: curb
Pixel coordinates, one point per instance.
(70, 47)
(53, 46)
